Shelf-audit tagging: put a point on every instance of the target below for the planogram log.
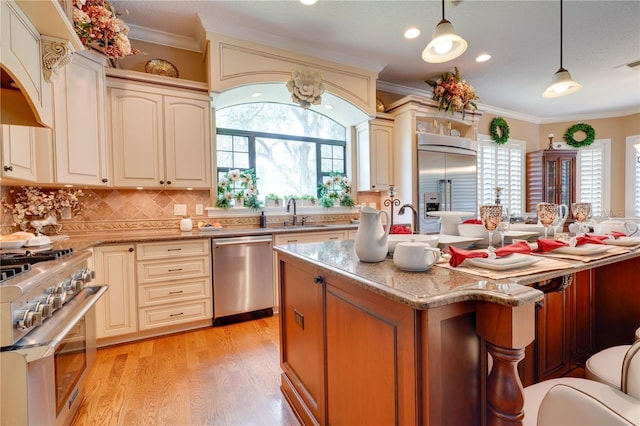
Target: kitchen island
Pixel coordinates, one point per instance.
(366, 343)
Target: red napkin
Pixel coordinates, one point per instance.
(548, 245)
(473, 221)
(459, 255)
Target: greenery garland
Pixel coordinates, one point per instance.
(580, 127)
(499, 130)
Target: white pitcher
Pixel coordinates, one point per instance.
(371, 240)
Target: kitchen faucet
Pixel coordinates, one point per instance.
(295, 214)
(416, 223)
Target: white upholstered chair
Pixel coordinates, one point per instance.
(606, 365)
(571, 401)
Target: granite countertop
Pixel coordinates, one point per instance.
(420, 290)
(80, 241)
(436, 287)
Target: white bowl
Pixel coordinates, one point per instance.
(478, 231)
(394, 239)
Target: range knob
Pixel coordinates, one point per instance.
(46, 309)
(51, 301)
(75, 286)
(29, 319)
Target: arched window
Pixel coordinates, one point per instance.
(291, 149)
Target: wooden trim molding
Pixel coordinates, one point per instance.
(234, 63)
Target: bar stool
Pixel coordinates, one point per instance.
(606, 365)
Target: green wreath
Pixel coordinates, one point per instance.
(499, 130)
(580, 127)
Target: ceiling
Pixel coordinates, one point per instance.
(523, 38)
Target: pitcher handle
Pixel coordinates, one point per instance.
(630, 227)
(388, 227)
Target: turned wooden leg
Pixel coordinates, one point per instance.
(507, 330)
(505, 396)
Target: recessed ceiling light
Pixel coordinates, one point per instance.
(327, 106)
(257, 94)
(483, 58)
(411, 33)
(308, 2)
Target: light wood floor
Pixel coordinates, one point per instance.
(216, 376)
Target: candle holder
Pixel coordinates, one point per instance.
(550, 141)
(391, 202)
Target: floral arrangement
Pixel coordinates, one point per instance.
(33, 202)
(237, 185)
(97, 24)
(306, 87)
(336, 187)
(453, 93)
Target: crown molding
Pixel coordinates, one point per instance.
(406, 90)
(164, 38)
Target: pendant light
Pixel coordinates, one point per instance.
(445, 44)
(561, 83)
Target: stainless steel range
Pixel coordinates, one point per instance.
(47, 334)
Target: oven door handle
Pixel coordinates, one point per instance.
(42, 341)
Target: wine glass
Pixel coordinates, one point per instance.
(546, 215)
(490, 216)
(581, 212)
(505, 222)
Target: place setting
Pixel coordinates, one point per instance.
(497, 263)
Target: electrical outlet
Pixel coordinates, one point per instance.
(180, 209)
(199, 209)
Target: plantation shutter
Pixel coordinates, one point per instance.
(501, 166)
(592, 177)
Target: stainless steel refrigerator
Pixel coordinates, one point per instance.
(447, 177)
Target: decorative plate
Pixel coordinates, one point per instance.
(161, 67)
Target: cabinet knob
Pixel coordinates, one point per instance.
(130, 249)
(105, 180)
(8, 168)
(168, 182)
(161, 182)
(318, 279)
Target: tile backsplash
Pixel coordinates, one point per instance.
(127, 208)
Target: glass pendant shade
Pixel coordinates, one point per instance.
(561, 84)
(445, 44)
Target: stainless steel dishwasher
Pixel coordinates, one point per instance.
(242, 278)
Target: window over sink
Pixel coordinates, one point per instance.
(291, 149)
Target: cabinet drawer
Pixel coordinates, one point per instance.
(310, 237)
(153, 272)
(155, 294)
(162, 316)
(168, 249)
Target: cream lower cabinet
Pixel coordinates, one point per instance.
(116, 311)
(81, 151)
(161, 137)
(174, 283)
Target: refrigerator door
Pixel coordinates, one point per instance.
(431, 176)
(453, 177)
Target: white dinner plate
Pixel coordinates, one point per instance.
(515, 260)
(584, 249)
(623, 241)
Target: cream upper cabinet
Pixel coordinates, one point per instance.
(81, 150)
(160, 136)
(375, 153)
(19, 152)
